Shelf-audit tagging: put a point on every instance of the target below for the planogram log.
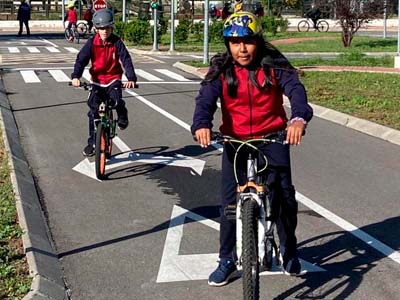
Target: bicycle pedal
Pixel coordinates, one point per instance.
(230, 212)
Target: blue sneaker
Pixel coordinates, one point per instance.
(222, 274)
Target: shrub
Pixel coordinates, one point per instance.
(271, 24)
(182, 30)
(215, 31)
(137, 31)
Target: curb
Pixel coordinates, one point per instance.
(379, 131)
(44, 266)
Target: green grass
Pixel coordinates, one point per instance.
(370, 96)
(316, 42)
(14, 276)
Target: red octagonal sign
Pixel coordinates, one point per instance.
(99, 4)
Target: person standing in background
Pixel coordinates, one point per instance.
(23, 16)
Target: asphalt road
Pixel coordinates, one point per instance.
(116, 238)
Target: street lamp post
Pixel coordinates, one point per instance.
(206, 25)
(172, 42)
(397, 57)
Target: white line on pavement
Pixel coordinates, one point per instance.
(30, 76)
(59, 76)
(171, 74)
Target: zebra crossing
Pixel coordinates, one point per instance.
(41, 49)
(63, 75)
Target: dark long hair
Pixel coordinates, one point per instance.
(268, 56)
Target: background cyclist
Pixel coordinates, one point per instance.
(106, 51)
(314, 14)
(250, 78)
(72, 17)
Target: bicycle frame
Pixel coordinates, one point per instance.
(106, 118)
(251, 191)
(255, 189)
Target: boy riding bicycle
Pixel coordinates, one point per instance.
(250, 78)
(106, 51)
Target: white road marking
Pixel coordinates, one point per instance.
(30, 76)
(53, 49)
(59, 75)
(196, 56)
(365, 237)
(377, 245)
(171, 74)
(175, 267)
(71, 49)
(146, 75)
(13, 50)
(48, 42)
(128, 156)
(33, 49)
(159, 109)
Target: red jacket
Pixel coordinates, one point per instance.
(253, 112)
(72, 17)
(106, 60)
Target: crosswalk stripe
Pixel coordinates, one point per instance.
(59, 75)
(146, 75)
(30, 76)
(71, 49)
(171, 74)
(13, 50)
(86, 75)
(52, 49)
(62, 75)
(33, 49)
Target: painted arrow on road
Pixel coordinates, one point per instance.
(176, 267)
(128, 156)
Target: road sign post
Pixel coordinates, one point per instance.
(99, 4)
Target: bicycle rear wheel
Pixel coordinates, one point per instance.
(100, 151)
(322, 26)
(111, 133)
(251, 279)
(303, 26)
(269, 251)
(81, 28)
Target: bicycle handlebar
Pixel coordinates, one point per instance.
(275, 137)
(86, 85)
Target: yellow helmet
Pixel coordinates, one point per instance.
(71, 4)
(241, 24)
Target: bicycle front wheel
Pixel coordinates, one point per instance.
(251, 280)
(322, 26)
(303, 26)
(67, 33)
(100, 151)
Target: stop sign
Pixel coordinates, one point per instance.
(99, 4)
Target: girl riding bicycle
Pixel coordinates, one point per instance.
(250, 78)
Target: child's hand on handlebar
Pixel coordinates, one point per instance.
(76, 82)
(129, 84)
(294, 133)
(203, 136)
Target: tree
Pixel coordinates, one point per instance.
(352, 14)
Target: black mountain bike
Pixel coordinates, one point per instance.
(255, 214)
